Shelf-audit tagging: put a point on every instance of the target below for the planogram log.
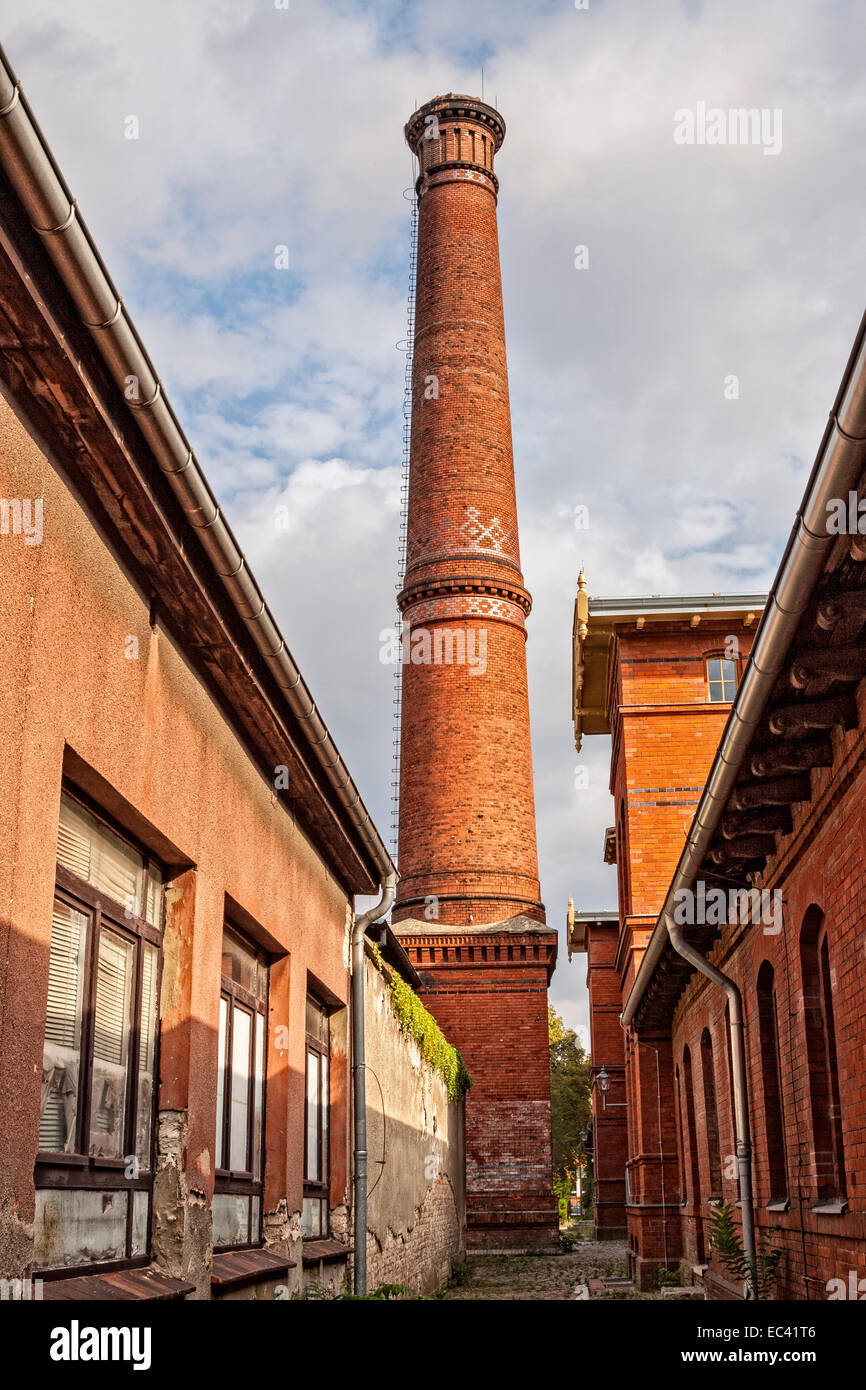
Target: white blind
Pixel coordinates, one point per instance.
(111, 1018)
(95, 853)
(111, 1013)
(65, 976)
(148, 1009)
(60, 1060)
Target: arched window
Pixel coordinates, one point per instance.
(681, 1147)
(711, 1115)
(694, 1166)
(722, 679)
(821, 1053)
(771, 1089)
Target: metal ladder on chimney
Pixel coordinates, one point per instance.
(408, 347)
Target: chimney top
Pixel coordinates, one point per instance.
(453, 107)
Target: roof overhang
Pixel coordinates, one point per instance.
(578, 925)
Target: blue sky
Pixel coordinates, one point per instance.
(262, 127)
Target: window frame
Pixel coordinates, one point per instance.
(830, 1174)
(318, 1189)
(81, 1170)
(230, 1181)
(736, 663)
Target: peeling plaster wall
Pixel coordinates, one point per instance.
(416, 1214)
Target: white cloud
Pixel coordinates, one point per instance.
(261, 127)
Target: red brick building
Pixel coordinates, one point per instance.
(468, 906)
(596, 934)
(739, 789)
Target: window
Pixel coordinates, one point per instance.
(821, 1053)
(721, 679)
(237, 1201)
(316, 1156)
(768, 1030)
(94, 1170)
(681, 1147)
(623, 861)
(711, 1115)
(694, 1166)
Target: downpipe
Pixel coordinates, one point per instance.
(742, 1133)
(359, 1085)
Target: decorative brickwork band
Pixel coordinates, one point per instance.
(464, 606)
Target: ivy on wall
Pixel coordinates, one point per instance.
(436, 1050)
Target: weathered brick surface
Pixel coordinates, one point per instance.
(610, 1135)
(467, 849)
(665, 735)
(467, 812)
(416, 1209)
(820, 864)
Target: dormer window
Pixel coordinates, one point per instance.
(721, 680)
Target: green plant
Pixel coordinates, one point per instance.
(414, 1019)
(385, 1292)
(668, 1278)
(460, 1274)
(729, 1248)
(570, 1239)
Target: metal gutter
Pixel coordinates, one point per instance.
(739, 1074)
(45, 197)
(677, 605)
(359, 1081)
(837, 469)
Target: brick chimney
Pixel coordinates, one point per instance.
(468, 906)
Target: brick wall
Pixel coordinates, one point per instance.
(489, 995)
(819, 867)
(416, 1209)
(664, 735)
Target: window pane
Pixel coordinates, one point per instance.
(221, 1082)
(312, 1172)
(317, 1021)
(140, 1210)
(722, 679)
(240, 964)
(258, 1093)
(111, 1045)
(255, 1219)
(313, 1219)
(99, 856)
(231, 1219)
(78, 1228)
(153, 907)
(324, 1117)
(146, 1053)
(240, 1101)
(62, 1049)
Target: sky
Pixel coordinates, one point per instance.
(200, 137)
